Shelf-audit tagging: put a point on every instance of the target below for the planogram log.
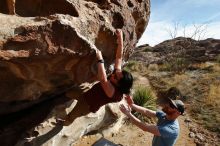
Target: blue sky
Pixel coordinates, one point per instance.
(188, 14)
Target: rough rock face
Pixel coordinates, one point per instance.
(48, 48)
(186, 48)
(195, 51)
(42, 53)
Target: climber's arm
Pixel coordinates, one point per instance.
(119, 50)
(106, 85)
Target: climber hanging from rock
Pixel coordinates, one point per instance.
(108, 89)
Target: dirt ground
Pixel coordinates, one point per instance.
(130, 135)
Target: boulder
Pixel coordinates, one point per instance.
(50, 45)
(47, 49)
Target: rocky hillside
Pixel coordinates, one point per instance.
(47, 49)
(182, 48)
(194, 68)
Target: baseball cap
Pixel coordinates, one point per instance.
(178, 104)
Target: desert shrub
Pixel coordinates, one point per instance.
(147, 49)
(144, 97)
(134, 66)
(176, 65)
(153, 67)
(213, 95)
(218, 58)
(130, 65)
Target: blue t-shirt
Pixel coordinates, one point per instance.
(169, 131)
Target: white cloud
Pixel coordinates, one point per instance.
(213, 30)
(189, 12)
(156, 32)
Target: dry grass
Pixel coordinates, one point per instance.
(135, 66)
(177, 79)
(218, 59)
(201, 89)
(153, 67)
(212, 66)
(213, 97)
(177, 65)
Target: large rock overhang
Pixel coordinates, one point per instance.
(50, 46)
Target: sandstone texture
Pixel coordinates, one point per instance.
(47, 49)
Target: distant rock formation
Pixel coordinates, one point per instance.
(47, 48)
(186, 48)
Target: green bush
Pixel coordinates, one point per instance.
(145, 98)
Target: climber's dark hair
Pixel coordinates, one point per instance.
(125, 83)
